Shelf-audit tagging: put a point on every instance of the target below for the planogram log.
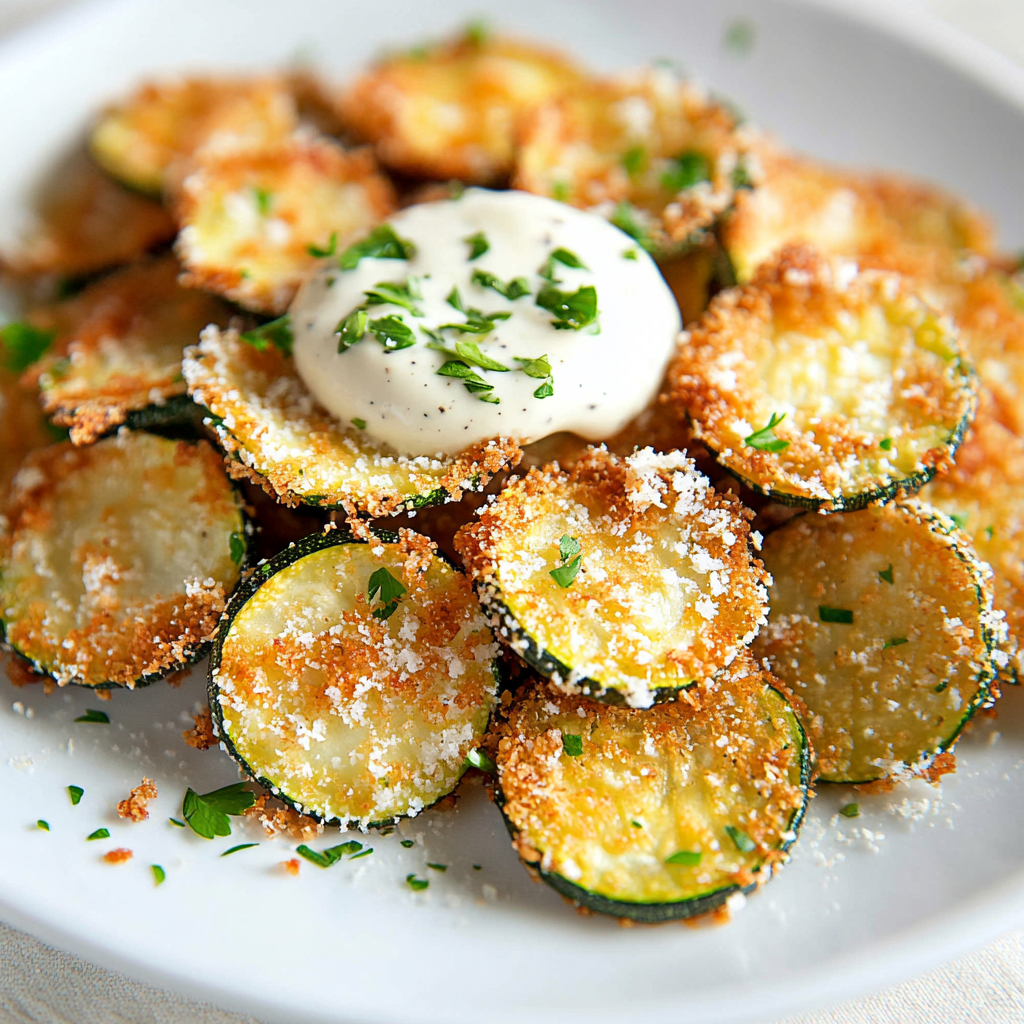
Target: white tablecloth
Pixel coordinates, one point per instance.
(41, 985)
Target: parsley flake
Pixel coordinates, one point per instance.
(381, 243)
(76, 793)
(564, 256)
(886, 575)
(393, 333)
(850, 810)
(631, 254)
(469, 352)
(885, 444)
(478, 245)
(480, 760)
(207, 815)
(21, 345)
(404, 295)
(385, 589)
(352, 329)
(44, 825)
(365, 853)
(437, 867)
(989, 532)
(236, 849)
(95, 717)
(941, 686)
(100, 833)
(960, 519)
(895, 641)
(477, 32)
(537, 368)
(634, 161)
(572, 744)
(685, 171)
(740, 839)
(318, 253)
(511, 290)
(264, 200)
(277, 333)
(546, 390)
(176, 823)
(416, 884)
(764, 440)
(572, 310)
(687, 858)
(628, 218)
(358, 423)
(569, 552)
(236, 548)
(159, 875)
(842, 616)
(739, 36)
(407, 843)
(472, 382)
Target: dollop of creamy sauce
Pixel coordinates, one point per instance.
(516, 316)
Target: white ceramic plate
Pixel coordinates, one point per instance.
(921, 876)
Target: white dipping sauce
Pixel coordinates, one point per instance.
(602, 374)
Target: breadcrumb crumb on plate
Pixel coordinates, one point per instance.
(249, 215)
(135, 807)
(654, 586)
(120, 560)
(823, 387)
(453, 110)
(275, 433)
(882, 624)
(654, 815)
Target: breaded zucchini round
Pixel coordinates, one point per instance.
(118, 346)
(122, 556)
(823, 387)
(163, 122)
(651, 152)
(249, 217)
(454, 110)
(625, 580)
(352, 679)
(882, 625)
(654, 815)
(278, 436)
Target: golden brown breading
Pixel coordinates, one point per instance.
(134, 807)
(119, 856)
(201, 736)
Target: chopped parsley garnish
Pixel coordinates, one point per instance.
(76, 793)
(741, 175)
(315, 858)
(454, 299)
(960, 519)
(329, 857)
(365, 853)
(941, 686)
(478, 245)
(241, 846)
(21, 345)
(564, 256)
(635, 823)
(352, 329)
(277, 333)
(100, 833)
(572, 310)
(631, 254)
(236, 547)
(480, 760)
(739, 36)
(360, 424)
(318, 253)
(476, 321)
(886, 574)
(176, 823)
(627, 218)
(560, 190)
(393, 333)
(381, 243)
(159, 875)
(850, 810)
(416, 884)
(764, 440)
(473, 383)
(44, 825)
(511, 290)
(96, 717)
(740, 839)
(477, 32)
(634, 160)
(686, 170)
(538, 368)
(546, 390)
(437, 867)
(885, 444)
(572, 744)
(843, 616)
(264, 200)
(989, 532)
(478, 867)
(404, 295)
(207, 815)
(895, 641)
(408, 843)
(688, 858)
(569, 552)
(385, 589)
(469, 352)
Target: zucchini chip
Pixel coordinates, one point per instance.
(250, 217)
(653, 153)
(884, 221)
(654, 815)
(138, 140)
(118, 347)
(122, 557)
(278, 436)
(625, 580)
(823, 387)
(83, 222)
(353, 679)
(454, 110)
(882, 625)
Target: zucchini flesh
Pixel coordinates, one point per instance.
(882, 624)
(161, 123)
(823, 387)
(122, 555)
(118, 347)
(346, 716)
(599, 800)
(266, 419)
(666, 590)
(454, 111)
(249, 215)
(652, 153)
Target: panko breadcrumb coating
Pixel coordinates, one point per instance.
(134, 808)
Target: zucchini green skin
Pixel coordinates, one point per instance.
(179, 416)
(247, 588)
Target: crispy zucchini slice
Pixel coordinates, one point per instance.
(884, 221)
(653, 153)
(654, 815)
(352, 679)
(160, 123)
(454, 110)
(278, 436)
(122, 557)
(83, 223)
(625, 580)
(882, 624)
(823, 387)
(118, 346)
(249, 216)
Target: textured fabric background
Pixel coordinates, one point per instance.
(41, 985)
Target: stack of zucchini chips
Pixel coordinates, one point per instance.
(799, 562)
